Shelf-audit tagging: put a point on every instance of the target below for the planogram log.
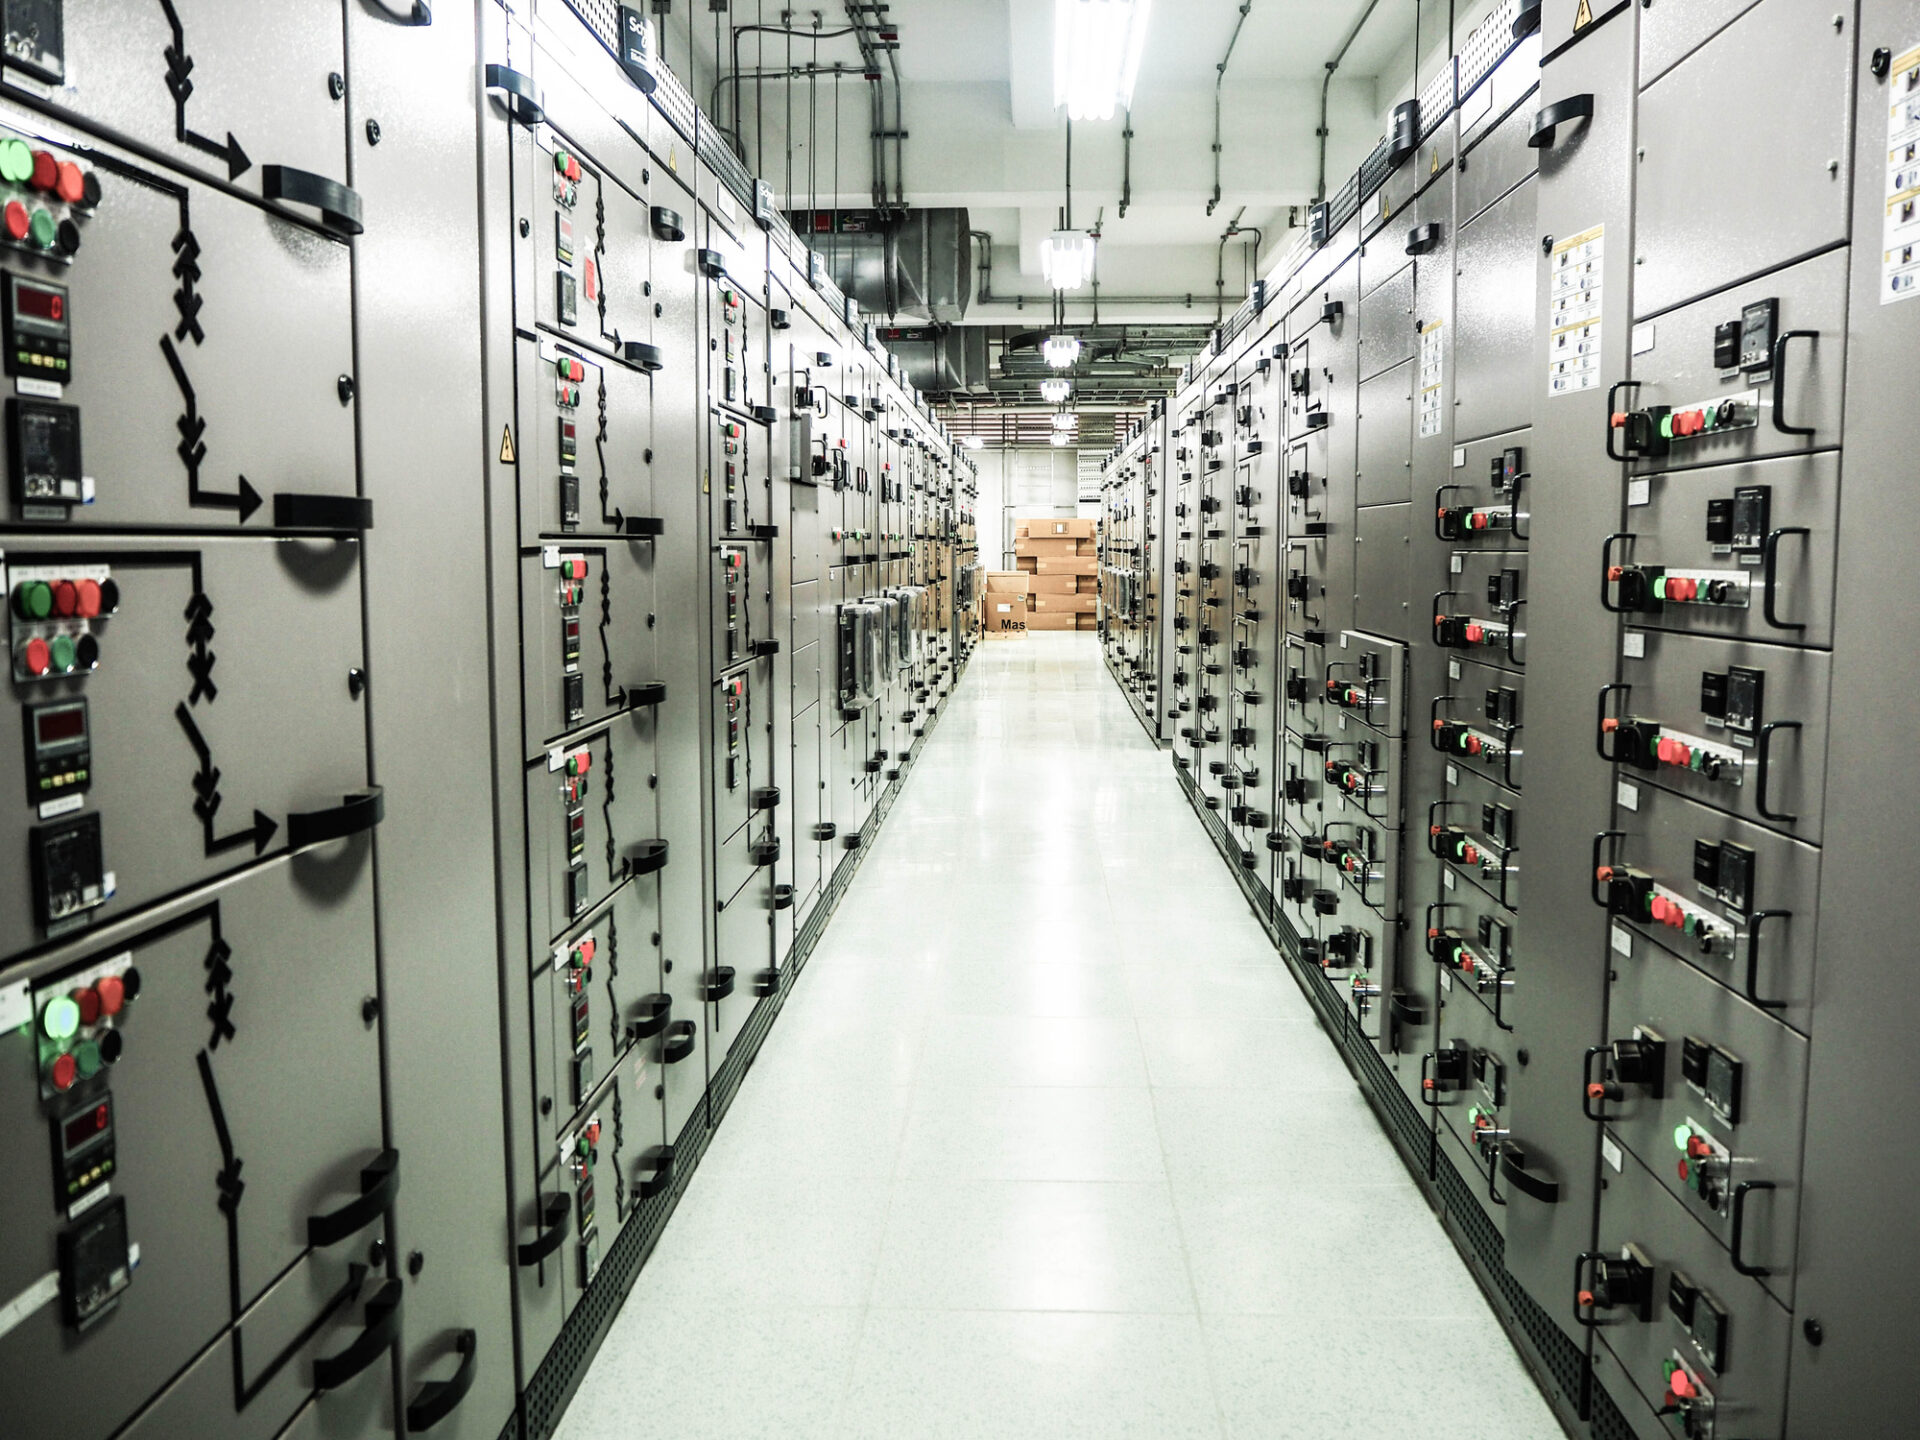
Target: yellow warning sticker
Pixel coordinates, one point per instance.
(1583, 17)
(506, 445)
(1434, 169)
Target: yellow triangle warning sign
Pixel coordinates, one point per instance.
(1386, 208)
(1434, 169)
(506, 445)
(1583, 17)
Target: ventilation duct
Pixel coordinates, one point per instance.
(941, 361)
(898, 264)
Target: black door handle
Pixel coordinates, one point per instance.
(644, 696)
(436, 1399)
(523, 98)
(1763, 762)
(1740, 1193)
(322, 512)
(1754, 923)
(718, 983)
(417, 13)
(553, 1229)
(379, 1183)
(1422, 238)
(1547, 121)
(653, 1013)
(649, 358)
(658, 1160)
(330, 1372)
(1770, 572)
(357, 812)
(679, 1042)
(1780, 381)
(667, 224)
(1513, 1165)
(647, 857)
(339, 207)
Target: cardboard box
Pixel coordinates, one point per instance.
(1006, 582)
(1056, 526)
(1053, 620)
(1086, 622)
(1086, 547)
(1068, 604)
(1087, 584)
(1068, 565)
(1005, 615)
(1019, 529)
(1055, 584)
(1026, 562)
(1045, 547)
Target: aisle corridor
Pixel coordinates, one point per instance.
(1046, 1143)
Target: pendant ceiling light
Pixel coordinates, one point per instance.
(1061, 351)
(1055, 390)
(1097, 46)
(1060, 438)
(1066, 259)
(1066, 421)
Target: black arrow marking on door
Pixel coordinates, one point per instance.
(192, 448)
(206, 786)
(180, 86)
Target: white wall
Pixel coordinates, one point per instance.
(1017, 483)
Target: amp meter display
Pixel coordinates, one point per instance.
(39, 330)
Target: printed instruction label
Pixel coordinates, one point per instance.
(1433, 370)
(1622, 941)
(1900, 253)
(1610, 1152)
(1573, 348)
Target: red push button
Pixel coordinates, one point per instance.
(1681, 1386)
(112, 991)
(70, 185)
(66, 597)
(46, 171)
(87, 599)
(586, 761)
(16, 220)
(37, 658)
(88, 999)
(61, 1074)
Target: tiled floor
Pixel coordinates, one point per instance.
(1038, 1146)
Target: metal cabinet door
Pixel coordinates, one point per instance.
(195, 411)
(1701, 227)
(587, 654)
(586, 444)
(208, 84)
(221, 723)
(242, 1086)
(1385, 445)
(1494, 317)
(1386, 325)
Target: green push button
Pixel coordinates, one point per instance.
(560, 161)
(60, 1019)
(41, 229)
(61, 649)
(86, 1059)
(16, 161)
(34, 600)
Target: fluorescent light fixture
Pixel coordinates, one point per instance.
(1061, 351)
(1055, 390)
(1060, 438)
(1096, 54)
(1066, 421)
(1066, 259)
(974, 442)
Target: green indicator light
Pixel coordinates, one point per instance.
(1681, 1134)
(62, 651)
(560, 161)
(60, 1019)
(41, 228)
(16, 161)
(86, 1059)
(36, 598)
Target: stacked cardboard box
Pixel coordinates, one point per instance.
(1003, 604)
(1060, 559)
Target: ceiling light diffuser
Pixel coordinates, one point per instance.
(1066, 421)
(1060, 351)
(1055, 390)
(1096, 54)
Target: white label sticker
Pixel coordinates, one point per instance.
(1573, 343)
(1643, 337)
(1610, 1152)
(87, 1201)
(1639, 492)
(16, 1006)
(45, 389)
(1459, 562)
(1459, 457)
(42, 1291)
(65, 805)
(1433, 371)
(1621, 939)
(1476, 105)
(1453, 776)
(1453, 669)
(550, 557)
(1446, 978)
(1900, 233)
(1446, 878)
(1634, 645)
(1628, 796)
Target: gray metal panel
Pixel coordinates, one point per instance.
(1384, 450)
(1699, 227)
(1386, 324)
(1669, 37)
(1864, 1067)
(282, 731)
(1493, 318)
(1381, 584)
(1498, 156)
